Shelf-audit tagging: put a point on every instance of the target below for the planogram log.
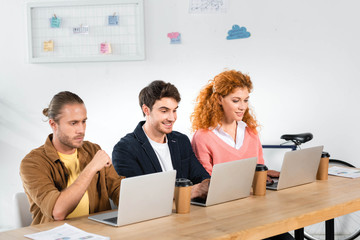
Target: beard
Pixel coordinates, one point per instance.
(70, 142)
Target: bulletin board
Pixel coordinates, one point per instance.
(82, 31)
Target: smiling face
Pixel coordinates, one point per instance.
(160, 120)
(69, 129)
(235, 104)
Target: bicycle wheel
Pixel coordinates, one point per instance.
(347, 227)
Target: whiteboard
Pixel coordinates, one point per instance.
(125, 39)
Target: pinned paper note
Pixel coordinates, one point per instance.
(49, 46)
(81, 30)
(65, 231)
(175, 37)
(208, 6)
(55, 22)
(113, 20)
(105, 48)
(237, 32)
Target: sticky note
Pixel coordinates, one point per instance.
(105, 48)
(113, 20)
(49, 46)
(55, 22)
(81, 30)
(175, 37)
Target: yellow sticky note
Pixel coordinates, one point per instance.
(49, 46)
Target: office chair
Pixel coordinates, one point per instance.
(23, 214)
(112, 204)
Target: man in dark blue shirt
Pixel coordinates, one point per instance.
(154, 147)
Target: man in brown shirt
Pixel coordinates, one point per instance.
(68, 176)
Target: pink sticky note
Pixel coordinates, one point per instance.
(173, 35)
(105, 48)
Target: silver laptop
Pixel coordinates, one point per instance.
(229, 181)
(142, 198)
(298, 167)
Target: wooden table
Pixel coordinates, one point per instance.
(250, 218)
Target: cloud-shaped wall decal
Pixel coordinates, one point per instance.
(237, 32)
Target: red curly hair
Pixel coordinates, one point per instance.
(208, 112)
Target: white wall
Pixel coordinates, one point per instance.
(303, 57)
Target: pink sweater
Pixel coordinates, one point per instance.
(211, 150)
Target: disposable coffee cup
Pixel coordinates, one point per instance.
(322, 173)
(259, 182)
(182, 195)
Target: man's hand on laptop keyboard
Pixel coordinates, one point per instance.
(269, 181)
(273, 173)
(200, 189)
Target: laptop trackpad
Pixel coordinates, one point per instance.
(111, 220)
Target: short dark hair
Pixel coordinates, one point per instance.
(155, 91)
(57, 103)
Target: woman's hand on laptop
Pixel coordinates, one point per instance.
(273, 173)
(200, 189)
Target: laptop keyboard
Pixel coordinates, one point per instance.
(112, 220)
(273, 185)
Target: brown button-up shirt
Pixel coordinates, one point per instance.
(44, 176)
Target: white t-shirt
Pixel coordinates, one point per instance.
(162, 152)
(240, 134)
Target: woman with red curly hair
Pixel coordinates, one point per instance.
(225, 127)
